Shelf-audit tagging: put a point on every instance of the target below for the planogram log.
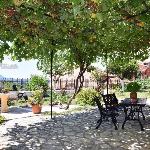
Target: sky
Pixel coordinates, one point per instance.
(15, 69)
(24, 69)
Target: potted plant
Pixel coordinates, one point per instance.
(38, 82)
(36, 101)
(133, 88)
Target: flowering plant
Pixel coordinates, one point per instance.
(36, 98)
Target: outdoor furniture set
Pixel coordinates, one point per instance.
(111, 107)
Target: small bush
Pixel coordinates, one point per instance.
(145, 83)
(37, 82)
(11, 103)
(85, 96)
(58, 98)
(8, 85)
(63, 99)
(2, 119)
(133, 87)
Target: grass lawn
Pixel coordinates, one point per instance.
(2, 119)
(127, 95)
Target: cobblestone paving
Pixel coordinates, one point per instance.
(75, 132)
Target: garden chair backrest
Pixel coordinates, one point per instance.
(110, 100)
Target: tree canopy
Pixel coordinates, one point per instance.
(120, 28)
(127, 70)
(129, 33)
(62, 64)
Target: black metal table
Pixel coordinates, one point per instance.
(131, 109)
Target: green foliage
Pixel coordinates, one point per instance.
(133, 87)
(62, 63)
(63, 99)
(36, 98)
(141, 94)
(2, 119)
(98, 75)
(59, 98)
(24, 87)
(11, 102)
(38, 83)
(18, 103)
(145, 83)
(124, 69)
(87, 29)
(85, 97)
(8, 85)
(91, 68)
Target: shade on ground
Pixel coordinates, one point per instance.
(76, 132)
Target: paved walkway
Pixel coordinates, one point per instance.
(23, 112)
(75, 132)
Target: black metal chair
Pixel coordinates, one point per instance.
(111, 101)
(105, 113)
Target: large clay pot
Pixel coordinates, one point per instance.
(36, 108)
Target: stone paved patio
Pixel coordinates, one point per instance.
(75, 131)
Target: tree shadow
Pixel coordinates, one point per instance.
(19, 110)
(77, 131)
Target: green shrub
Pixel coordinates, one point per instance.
(133, 87)
(145, 83)
(11, 102)
(62, 98)
(2, 119)
(85, 97)
(38, 82)
(57, 98)
(8, 85)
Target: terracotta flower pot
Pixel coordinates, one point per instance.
(36, 108)
(133, 97)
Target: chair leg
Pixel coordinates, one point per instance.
(99, 123)
(98, 120)
(101, 117)
(142, 113)
(106, 118)
(143, 116)
(124, 123)
(142, 129)
(114, 120)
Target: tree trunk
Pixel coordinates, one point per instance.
(122, 84)
(78, 85)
